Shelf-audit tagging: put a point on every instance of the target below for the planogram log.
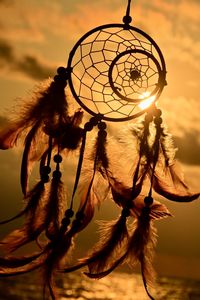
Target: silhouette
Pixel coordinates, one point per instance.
(110, 71)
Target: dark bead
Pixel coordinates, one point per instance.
(158, 121)
(127, 19)
(102, 125)
(45, 178)
(69, 213)
(45, 170)
(148, 200)
(60, 81)
(57, 174)
(148, 117)
(94, 121)
(126, 212)
(102, 134)
(57, 158)
(79, 215)
(61, 71)
(65, 222)
(158, 112)
(88, 126)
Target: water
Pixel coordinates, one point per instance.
(117, 286)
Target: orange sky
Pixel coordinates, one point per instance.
(37, 36)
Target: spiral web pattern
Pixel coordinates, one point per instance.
(134, 75)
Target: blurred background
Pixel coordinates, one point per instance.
(37, 36)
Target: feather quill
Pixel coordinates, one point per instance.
(25, 159)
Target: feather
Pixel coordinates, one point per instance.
(113, 236)
(25, 159)
(58, 249)
(32, 199)
(14, 262)
(54, 208)
(30, 266)
(34, 224)
(9, 135)
(162, 187)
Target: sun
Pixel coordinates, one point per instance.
(147, 102)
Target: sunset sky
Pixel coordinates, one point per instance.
(37, 36)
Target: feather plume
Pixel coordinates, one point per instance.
(32, 199)
(14, 262)
(167, 189)
(141, 247)
(54, 208)
(25, 159)
(34, 224)
(36, 263)
(113, 236)
(9, 135)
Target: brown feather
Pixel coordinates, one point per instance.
(9, 135)
(14, 262)
(54, 208)
(32, 199)
(170, 192)
(113, 236)
(25, 159)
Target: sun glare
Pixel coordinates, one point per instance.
(147, 102)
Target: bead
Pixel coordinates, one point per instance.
(148, 117)
(102, 134)
(57, 158)
(94, 121)
(61, 71)
(148, 200)
(57, 174)
(127, 19)
(65, 222)
(88, 126)
(69, 213)
(45, 178)
(102, 125)
(126, 212)
(158, 112)
(45, 170)
(158, 121)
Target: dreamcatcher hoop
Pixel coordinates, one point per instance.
(95, 60)
(111, 70)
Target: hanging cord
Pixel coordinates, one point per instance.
(156, 145)
(69, 212)
(88, 127)
(45, 170)
(127, 18)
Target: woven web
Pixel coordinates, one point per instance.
(134, 74)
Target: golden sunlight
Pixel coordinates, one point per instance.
(147, 102)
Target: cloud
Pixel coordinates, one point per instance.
(27, 64)
(189, 148)
(6, 51)
(31, 66)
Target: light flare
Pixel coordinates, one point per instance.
(147, 102)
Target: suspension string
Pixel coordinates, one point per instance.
(127, 18)
(88, 127)
(155, 154)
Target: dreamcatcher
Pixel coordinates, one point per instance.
(112, 72)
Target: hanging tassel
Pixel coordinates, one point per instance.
(113, 236)
(55, 206)
(142, 245)
(167, 178)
